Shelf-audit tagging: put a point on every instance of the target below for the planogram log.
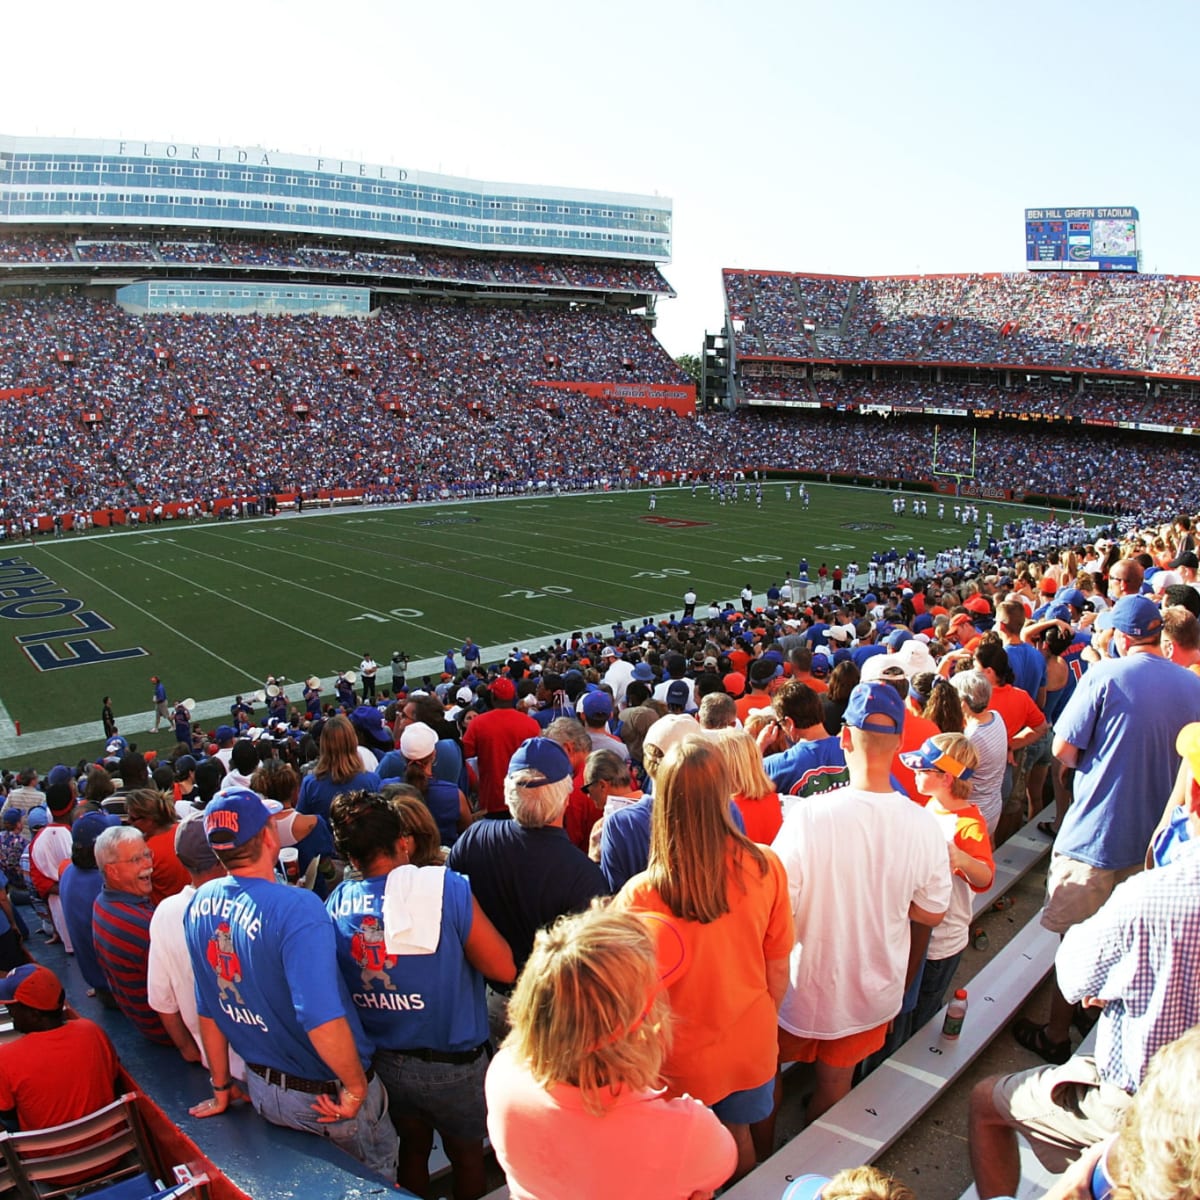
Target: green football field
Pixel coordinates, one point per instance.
(216, 607)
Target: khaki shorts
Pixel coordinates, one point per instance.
(1061, 1110)
(1076, 891)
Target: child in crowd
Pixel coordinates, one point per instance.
(944, 765)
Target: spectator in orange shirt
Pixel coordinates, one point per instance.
(763, 673)
(153, 815)
(801, 660)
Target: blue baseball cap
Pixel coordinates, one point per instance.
(897, 638)
(232, 818)
(931, 757)
(1136, 616)
(90, 826)
(597, 704)
(224, 733)
(643, 673)
(1072, 596)
(59, 774)
(368, 721)
(541, 754)
(876, 708)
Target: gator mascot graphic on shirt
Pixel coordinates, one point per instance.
(224, 961)
(368, 950)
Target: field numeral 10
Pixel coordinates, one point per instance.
(403, 614)
(550, 589)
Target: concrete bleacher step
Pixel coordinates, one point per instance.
(881, 1108)
(1014, 860)
(851, 305)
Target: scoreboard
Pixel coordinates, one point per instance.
(1082, 239)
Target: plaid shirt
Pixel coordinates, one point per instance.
(1140, 954)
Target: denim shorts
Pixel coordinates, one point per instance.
(448, 1096)
(747, 1106)
(1041, 753)
(367, 1136)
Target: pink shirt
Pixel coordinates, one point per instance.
(644, 1147)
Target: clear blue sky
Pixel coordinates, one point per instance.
(860, 139)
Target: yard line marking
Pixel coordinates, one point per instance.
(355, 604)
(158, 620)
(240, 604)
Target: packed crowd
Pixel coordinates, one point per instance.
(113, 252)
(444, 366)
(1042, 397)
(35, 248)
(790, 808)
(442, 363)
(524, 270)
(1096, 321)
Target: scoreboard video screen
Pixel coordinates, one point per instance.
(1082, 239)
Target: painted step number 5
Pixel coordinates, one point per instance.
(549, 590)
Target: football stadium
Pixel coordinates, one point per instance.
(304, 450)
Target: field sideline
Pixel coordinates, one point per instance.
(215, 607)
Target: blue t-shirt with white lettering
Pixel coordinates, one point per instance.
(266, 972)
(412, 1001)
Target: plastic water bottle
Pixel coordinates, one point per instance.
(956, 1012)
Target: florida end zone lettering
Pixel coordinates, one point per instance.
(28, 595)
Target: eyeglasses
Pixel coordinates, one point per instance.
(586, 788)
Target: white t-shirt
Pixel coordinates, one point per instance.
(50, 848)
(660, 693)
(855, 861)
(170, 984)
(618, 677)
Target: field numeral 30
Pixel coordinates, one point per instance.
(549, 590)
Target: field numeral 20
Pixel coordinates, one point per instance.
(549, 590)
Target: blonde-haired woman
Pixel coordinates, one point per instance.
(753, 792)
(718, 906)
(339, 769)
(573, 1102)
